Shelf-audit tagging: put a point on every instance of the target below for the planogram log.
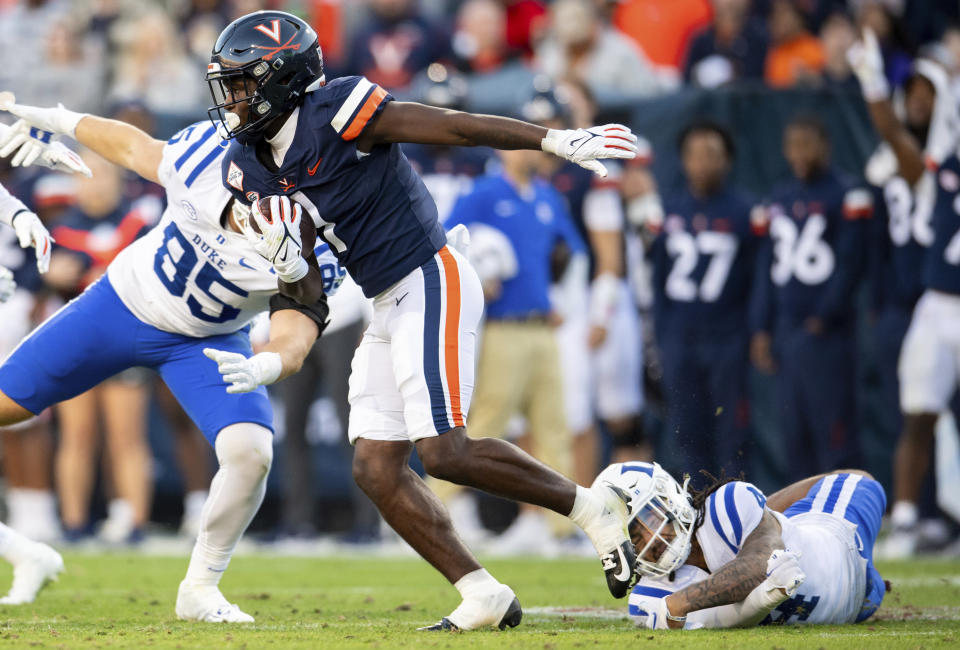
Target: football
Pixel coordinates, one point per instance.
(308, 233)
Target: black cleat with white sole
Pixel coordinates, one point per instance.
(511, 619)
(618, 567)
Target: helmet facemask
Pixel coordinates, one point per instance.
(662, 521)
(233, 88)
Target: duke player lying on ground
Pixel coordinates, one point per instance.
(729, 557)
(332, 146)
(187, 288)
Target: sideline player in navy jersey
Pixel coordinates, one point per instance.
(814, 258)
(920, 128)
(331, 146)
(930, 360)
(704, 261)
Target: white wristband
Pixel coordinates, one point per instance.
(551, 141)
(269, 367)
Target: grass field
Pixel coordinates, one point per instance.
(126, 600)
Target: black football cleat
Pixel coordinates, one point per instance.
(618, 568)
(511, 618)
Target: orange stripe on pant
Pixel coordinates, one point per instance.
(451, 334)
(369, 108)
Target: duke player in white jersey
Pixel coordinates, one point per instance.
(729, 557)
(34, 564)
(188, 288)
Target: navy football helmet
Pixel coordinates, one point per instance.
(261, 67)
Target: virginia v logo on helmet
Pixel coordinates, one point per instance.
(261, 66)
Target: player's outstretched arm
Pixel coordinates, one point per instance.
(867, 64)
(292, 334)
(419, 123)
(733, 582)
(118, 142)
(122, 144)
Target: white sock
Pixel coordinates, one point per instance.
(476, 583)
(193, 503)
(245, 452)
(14, 547)
(34, 511)
(904, 514)
(586, 508)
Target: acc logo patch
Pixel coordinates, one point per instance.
(253, 197)
(235, 176)
(189, 209)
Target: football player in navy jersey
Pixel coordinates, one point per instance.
(814, 258)
(704, 260)
(919, 127)
(930, 360)
(332, 147)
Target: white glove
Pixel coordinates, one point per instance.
(37, 147)
(585, 146)
(245, 374)
(279, 238)
(31, 232)
(784, 572)
(458, 238)
(657, 613)
(866, 60)
(57, 120)
(7, 285)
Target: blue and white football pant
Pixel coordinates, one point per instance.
(861, 501)
(95, 336)
(412, 375)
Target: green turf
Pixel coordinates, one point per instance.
(125, 600)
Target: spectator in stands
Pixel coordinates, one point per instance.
(152, 66)
(526, 21)
(837, 34)
(811, 266)
(88, 237)
(704, 261)
(663, 29)
(580, 46)
(24, 29)
(733, 47)
(72, 71)
(796, 56)
(516, 220)
(393, 44)
(480, 41)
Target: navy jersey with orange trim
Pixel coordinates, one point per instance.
(941, 271)
(704, 264)
(371, 208)
(819, 231)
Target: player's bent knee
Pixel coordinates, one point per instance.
(11, 412)
(446, 456)
(245, 445)
(377, 466)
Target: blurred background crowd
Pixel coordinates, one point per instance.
(637, 316)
